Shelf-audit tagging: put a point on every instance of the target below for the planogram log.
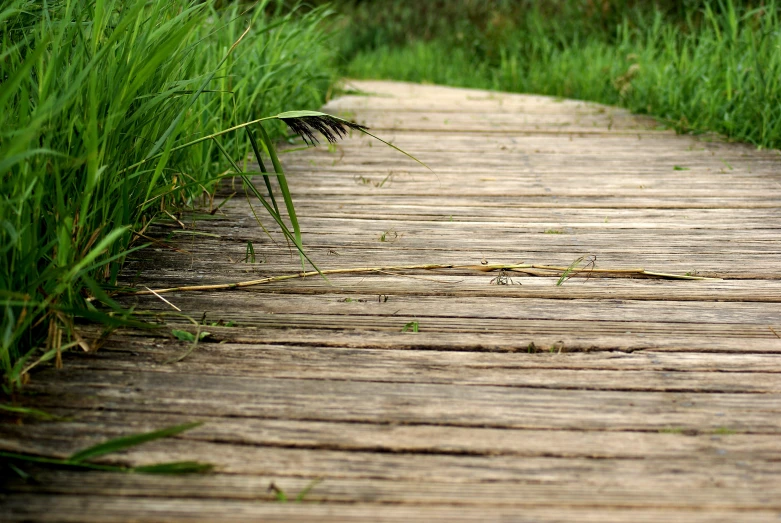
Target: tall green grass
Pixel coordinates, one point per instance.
(700, 65)
(89, 89)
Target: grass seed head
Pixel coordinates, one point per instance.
(332, 128)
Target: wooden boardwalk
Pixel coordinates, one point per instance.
(609, 398)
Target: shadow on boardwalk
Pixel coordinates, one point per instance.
(608, 398)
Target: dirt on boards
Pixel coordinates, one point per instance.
(456, 393)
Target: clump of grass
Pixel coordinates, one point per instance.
(113, 111)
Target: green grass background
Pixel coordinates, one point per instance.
(698, 65)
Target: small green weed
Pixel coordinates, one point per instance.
(221, 323)
(724, 431)
(249, 256)
(188, 336)
(588, 262)
(411, 326)
(281, 496)
(389, 236)
(218, 323)
(363, 180)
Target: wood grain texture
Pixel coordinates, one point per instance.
(610, 398)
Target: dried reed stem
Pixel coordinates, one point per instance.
(359, 270)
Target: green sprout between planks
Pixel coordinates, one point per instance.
(282, 497)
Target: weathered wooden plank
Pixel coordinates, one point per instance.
(630, 474)
(475, 309)
(418, 251)
(407, 403)
(671, 444)
(477, 204)
(544, 146)
(110, 509)
(605, 146)
(525, 337)
(452, 472)
(365, 288)
(515, 177)
(510, 244)
(715, 219)
(707, 496)
(536, 221)
(429, 367)
(646, 360)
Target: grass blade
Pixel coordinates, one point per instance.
(175, 124)
(272, 212)
(61, 462)
(174, 467)
(26, 411)
(258, 159)
(568, 271)
(124, 442)
(306, 490)
(291, 210)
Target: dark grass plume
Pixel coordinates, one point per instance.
(333, 129)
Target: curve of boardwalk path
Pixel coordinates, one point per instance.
(615, 396)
